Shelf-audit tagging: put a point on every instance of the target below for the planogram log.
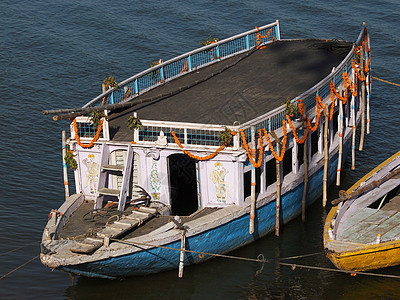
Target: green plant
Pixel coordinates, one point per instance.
(134, 123)
(225, 136)
(70, 160)
(291, 109)
(110, 82)
(95, 117)
(155, 75)
(209, 41)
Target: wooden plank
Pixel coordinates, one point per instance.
(89, 245)
(109, 192)
(117, 168)
(386, 226)
(379, 217)
(137, 214)
(355, 219)
(111, 232)
(354, 233)
(132, 222)
(149, 210)
(366, 230)
(393, 234)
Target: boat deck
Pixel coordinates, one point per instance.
(84, 222)
(367, 223)
(240, 88)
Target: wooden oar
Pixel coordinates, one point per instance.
(370, 186)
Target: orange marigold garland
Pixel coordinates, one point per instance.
(312, 129)
(96, 137)
(294, 132)
(279, 158)
(261, 36)
(246, 146)
(199, 157)
(353, 65)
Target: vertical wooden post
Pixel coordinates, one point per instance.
(182, 254)
(362, 99)
(103, 87)
(305, 160)
(326, 158)
(367, 83)
(353, 122)
(340, 125)
(65, 171)
(278, 184)
(253, 181)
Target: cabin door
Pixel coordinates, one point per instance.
(182, 184)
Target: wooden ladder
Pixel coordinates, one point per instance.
(105, 187)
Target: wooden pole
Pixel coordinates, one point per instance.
(253, 181)
(362, 100)
(278, 183)
(305, 159)
(326, 158)
(65, 171)
(340, 124)
(182, 254)
(367, 83)
(353, 138)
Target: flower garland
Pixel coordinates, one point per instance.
(96, 137)
(301, 108)
(198, 157)
(246, 146)
(353, 88)
(294, 132)
(353, 65)
(262, 37)
(279, 158)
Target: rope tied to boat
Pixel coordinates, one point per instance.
(260, 259)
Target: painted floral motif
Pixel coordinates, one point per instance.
(155, 180)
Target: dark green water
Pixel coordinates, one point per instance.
(55, 54)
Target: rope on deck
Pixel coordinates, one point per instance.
(260, 259)
(385, 81)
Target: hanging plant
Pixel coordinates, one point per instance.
(226, 135)
(110, 82)
(95, 117)
(70, 160)
(209, 41)
(292, 110)
(134, 123)
(155, 75)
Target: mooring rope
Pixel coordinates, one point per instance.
(18, 248)
(19, 267)
(385, 81)
(260, 259)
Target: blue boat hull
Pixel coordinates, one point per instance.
(219, 240)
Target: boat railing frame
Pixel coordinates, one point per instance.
(186, 63)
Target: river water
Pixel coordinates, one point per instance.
(55, 54)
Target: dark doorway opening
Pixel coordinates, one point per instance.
(182, 184)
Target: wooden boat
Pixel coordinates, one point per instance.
(191, 175)
(363, 231)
